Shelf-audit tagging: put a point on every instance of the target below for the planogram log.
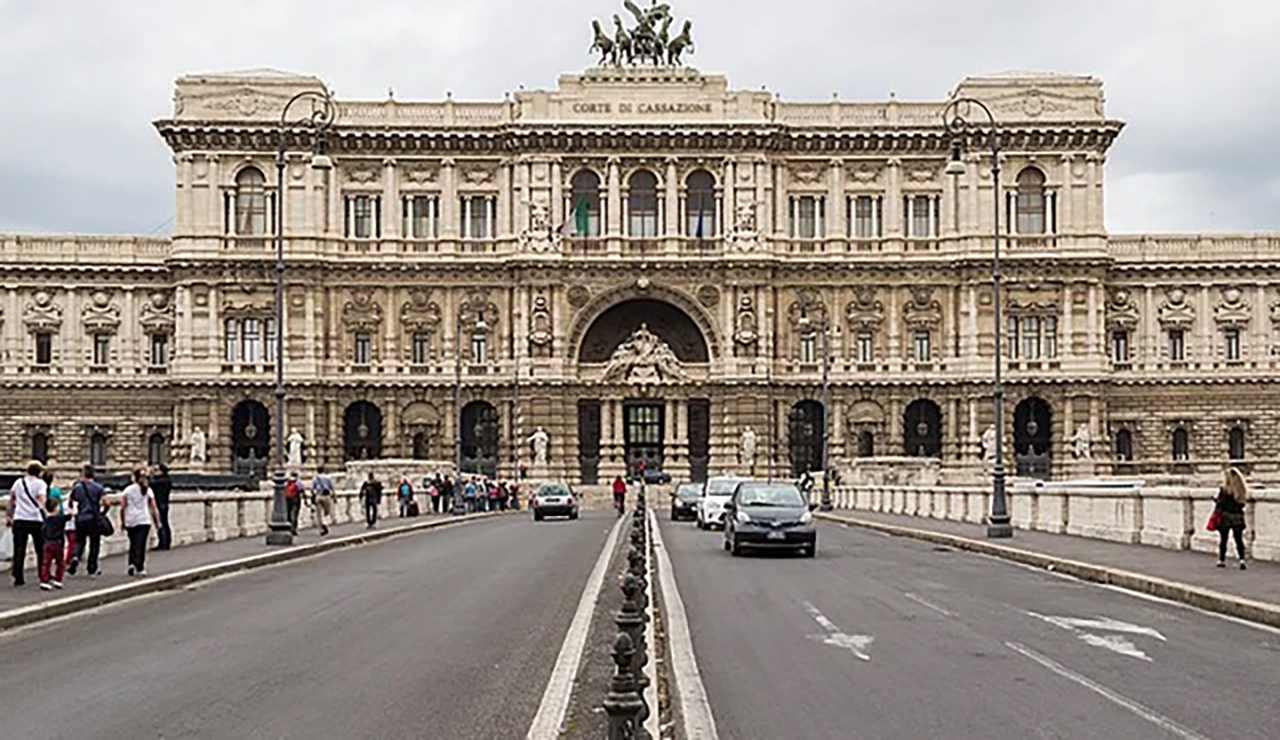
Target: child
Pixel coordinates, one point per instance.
(55, 525)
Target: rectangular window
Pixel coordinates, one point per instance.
(231, 340)
(101, 350)
(866, 217)
(421, 348)
(363, 351)
(1014, 350)
(920, 210)
(479, 348)
(920, 349)
(1231, 344)
(251, 341)
(362, 218)
(269, 348)
(806, 217)
(1120, 346)
(1031, 337)
(478, 213)
(44, 348)
(1177, 345)
(422, 217)
(1051, 337)
(864, 347)
(159, 350)
(808, 349)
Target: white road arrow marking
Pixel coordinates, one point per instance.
(856, 644)
(1114, 643)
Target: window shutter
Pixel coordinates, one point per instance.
(271, 228)
(1008, 212)
(226, 213)
(377, 217)
(1053, 212)
(346, 216)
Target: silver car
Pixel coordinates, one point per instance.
(714, 497)
(554, 499)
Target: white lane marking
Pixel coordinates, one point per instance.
(555, 700)
(1149, 715)
(699, 724)
(856, 644)
(1114, 643)
(1188, 607)
(929, 605)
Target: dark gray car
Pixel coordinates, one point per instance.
(769, 516)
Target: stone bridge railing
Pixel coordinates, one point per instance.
(1164, 516)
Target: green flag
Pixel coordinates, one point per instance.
(581, 215)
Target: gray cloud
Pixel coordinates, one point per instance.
(81, 81)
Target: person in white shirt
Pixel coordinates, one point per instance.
(137, 513)
(25, 514)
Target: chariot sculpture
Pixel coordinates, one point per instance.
(648, 42)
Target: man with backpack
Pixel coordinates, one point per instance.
(25, 514)
(322, 491)
(293, 500)
(90, 503)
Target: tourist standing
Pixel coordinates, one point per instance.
(54, 530)
(504, 493)
(322, 493)
(492, 487)
(446, 494)
(64, 507)
(162, 487)
(470, 493)
(371, 495)
(90, 504)
(433, 490)
(1228, 506)
(137, 514)
(404, 495)
(25, 514)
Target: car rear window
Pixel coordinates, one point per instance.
(722, 486)
(553, 491)
(765, 494)
(689, 491)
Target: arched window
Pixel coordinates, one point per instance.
(1124, 445)
(642, 204)
(808, 436)
(700, 205)
(251, 202)
(98, 449)
(1031, 202)
(866, 443)
(1181, 445)
(1235, 444)
(922, 435)
(584, 206)
(40, 447)
(155, 449)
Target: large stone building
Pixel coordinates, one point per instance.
(644, 262)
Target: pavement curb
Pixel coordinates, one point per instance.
(55, 608)
(1201, 598)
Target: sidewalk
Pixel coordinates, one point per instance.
(1261, 583)
(160, 563)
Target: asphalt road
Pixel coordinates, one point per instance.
(445, 634)
(897, 639)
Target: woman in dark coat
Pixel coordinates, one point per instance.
(1229, 505)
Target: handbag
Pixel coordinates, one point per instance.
(1215, 520)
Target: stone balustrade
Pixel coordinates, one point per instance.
(1172, 517)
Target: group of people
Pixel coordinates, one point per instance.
(62, 526)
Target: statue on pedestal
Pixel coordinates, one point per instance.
(540, 441)
(747, 450)
(199, 448)
(295, 441)
(989, 447)
(1082, 443)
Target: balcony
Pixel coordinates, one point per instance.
(642, 246)
(585, 246)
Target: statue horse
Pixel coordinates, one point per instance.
(680, 44)
(604, 44)
(622, 43)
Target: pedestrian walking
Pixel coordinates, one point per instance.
(52, 553)
(64, 507)
(293, 500)
(137, 514)
(371, 495)
(89, 498)
(404, 495)
(322, 499)
(504, 494)
(162, 487)
(1228, 509)
(619, 494)
(433, 490)
(470, 493)
(25, 515)
(492, 487)
(446, 494)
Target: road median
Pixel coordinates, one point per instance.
(1197, 596)
(54, 608)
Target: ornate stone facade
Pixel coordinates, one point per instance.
(644, 262)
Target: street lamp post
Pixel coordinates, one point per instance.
(459, 505)
(319, 120)
(826, 416)
(958, 126)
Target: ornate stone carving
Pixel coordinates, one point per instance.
(643, 358)
(422, 174)
(362, 313)
(807, 173)
(420, 314)
(42, 314)
(809, 305)
(865, 313)
(477, 175)
(1176, 312)
(746, 335)
(157, 316)
(540, 328)
(743, 236)
(1233, 311)
(922, 175)
(923, 311)
(363, 174)
(865, 174)
(475, 305)
(578, 296)
(541, 236)
(100, 315)
(1122, 313)
(709, 296)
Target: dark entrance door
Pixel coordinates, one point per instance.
(1033, 438)
(480, 439)
(589, 442)
(805, 422)
(699, 439)
(250, 439)
(642, 432)
(363, 431)
(922, 433)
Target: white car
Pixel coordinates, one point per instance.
(711, 506)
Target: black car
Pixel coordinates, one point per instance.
(769, 516)
(684, 501)
(652, 477)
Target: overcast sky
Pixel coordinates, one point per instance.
(1196, 81)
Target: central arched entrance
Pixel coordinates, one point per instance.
(362, 431)
(480, 433)
(1033, 438)
(621, 321)
(250, 439)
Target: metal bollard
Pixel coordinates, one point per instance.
(630, 620)
(624, 703)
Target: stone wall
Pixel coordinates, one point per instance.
(1164, 516)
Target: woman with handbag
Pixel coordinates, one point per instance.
(137, 513)
(1228, 515)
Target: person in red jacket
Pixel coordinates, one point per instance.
(619, 494)
(293, 500)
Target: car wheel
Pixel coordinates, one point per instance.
(537, 516)
(573, 515)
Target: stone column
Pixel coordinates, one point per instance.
(760, 197)
(502, 224)
(333, 445)
(780, 202)
(1067, 340)
(1068, 427)
(891, 311)
(311, 447)
(449, 199)
(312, 339)
(557, 194)
(1094, 323)
(835, 199)
(671, 226)
(129, 331)
(896, 443)
(614, 198)
(216, 352)
(893, 199)
(185, 336)
(391, 429)
(1066, 216)
(392, 207)
(522, 196)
